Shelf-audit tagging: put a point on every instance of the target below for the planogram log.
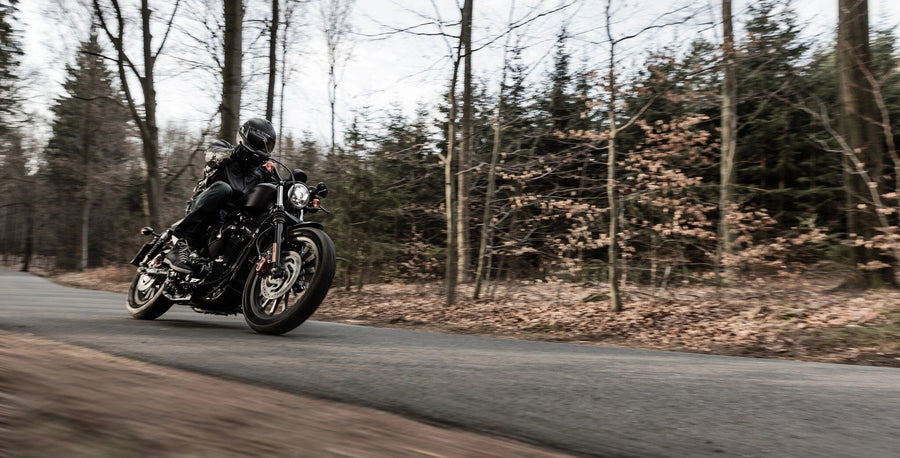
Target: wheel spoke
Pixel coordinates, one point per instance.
(277, 297)
(281, 301)
(265, 306)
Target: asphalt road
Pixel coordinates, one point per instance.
(583, 399)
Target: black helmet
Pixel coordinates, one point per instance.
(258, 135)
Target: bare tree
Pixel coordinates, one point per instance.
(336, 27)
(729, 139)
(615, 211)
(230, 108)
(286, 41)
(463, 239)
(456, 175)
(858, 129)
(487, 225)
(144, 115)
(273, 61)
(450, 185)
(615, 273)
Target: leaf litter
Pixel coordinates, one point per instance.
(794, 317)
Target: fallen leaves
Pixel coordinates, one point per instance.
(795, 317)
(689, 318)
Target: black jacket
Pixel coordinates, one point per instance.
(235, 165)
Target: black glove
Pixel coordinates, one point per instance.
(247, 156)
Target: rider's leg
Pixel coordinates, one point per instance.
(190, 230)
(204, 212)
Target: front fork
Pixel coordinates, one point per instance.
(153, 248)
(277, 269)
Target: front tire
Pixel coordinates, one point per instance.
(145, 299)
(276, 306)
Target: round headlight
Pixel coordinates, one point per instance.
(298, 195)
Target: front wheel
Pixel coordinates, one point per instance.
(277, 305)
(145, 299)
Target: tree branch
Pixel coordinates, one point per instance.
(168, 29)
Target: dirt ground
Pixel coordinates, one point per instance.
(62, 400)
(799, 316)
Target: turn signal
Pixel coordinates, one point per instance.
(315, 203)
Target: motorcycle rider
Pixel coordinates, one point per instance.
(229, 173)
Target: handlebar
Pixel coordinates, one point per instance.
(315, 190)
(276, 161)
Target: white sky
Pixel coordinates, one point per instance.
(400, 69)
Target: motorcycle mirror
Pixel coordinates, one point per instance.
(300, 175)
(321, 190)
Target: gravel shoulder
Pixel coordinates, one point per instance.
(62, 400)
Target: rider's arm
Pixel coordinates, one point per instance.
(268, 172)
(219, 151)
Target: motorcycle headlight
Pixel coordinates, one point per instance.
(298, 195)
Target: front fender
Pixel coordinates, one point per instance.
(296, 227)
(152, 248)
(142, 253)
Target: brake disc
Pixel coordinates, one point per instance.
(273, 288)
(145, 282)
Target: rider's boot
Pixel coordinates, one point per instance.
(179, 259)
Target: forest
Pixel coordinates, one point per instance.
(701, 162)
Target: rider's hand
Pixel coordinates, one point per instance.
(270, 166)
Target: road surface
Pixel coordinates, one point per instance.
(583, 399)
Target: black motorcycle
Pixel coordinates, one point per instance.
(263, 260)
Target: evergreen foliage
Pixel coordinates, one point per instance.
(549, 214)
(87, 156)
(10, 52)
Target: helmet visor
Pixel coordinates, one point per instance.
(260, 141)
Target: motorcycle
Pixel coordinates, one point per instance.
(263, 261)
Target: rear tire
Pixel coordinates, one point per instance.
(271, 306)
(145, 299)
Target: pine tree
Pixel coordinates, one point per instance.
(559, 102)
(10, 51)
(772, 145)
(86, 155)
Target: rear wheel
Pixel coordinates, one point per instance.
(275, 305)
(145, 299)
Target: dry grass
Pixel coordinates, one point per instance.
(109, 278)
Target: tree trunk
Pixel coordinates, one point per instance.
(487, 229)
(450, 193)
(146, 123)
(273, 61)
(335, 28)
(28, 252)
(85, 228)
(485, 256)
(152, 187)
(288, 14)
(463, 238)
(86, 170)
(153, 195)
(615, 273)
(230, 109)
(332, 101)
(729, 144)
(857, 109)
